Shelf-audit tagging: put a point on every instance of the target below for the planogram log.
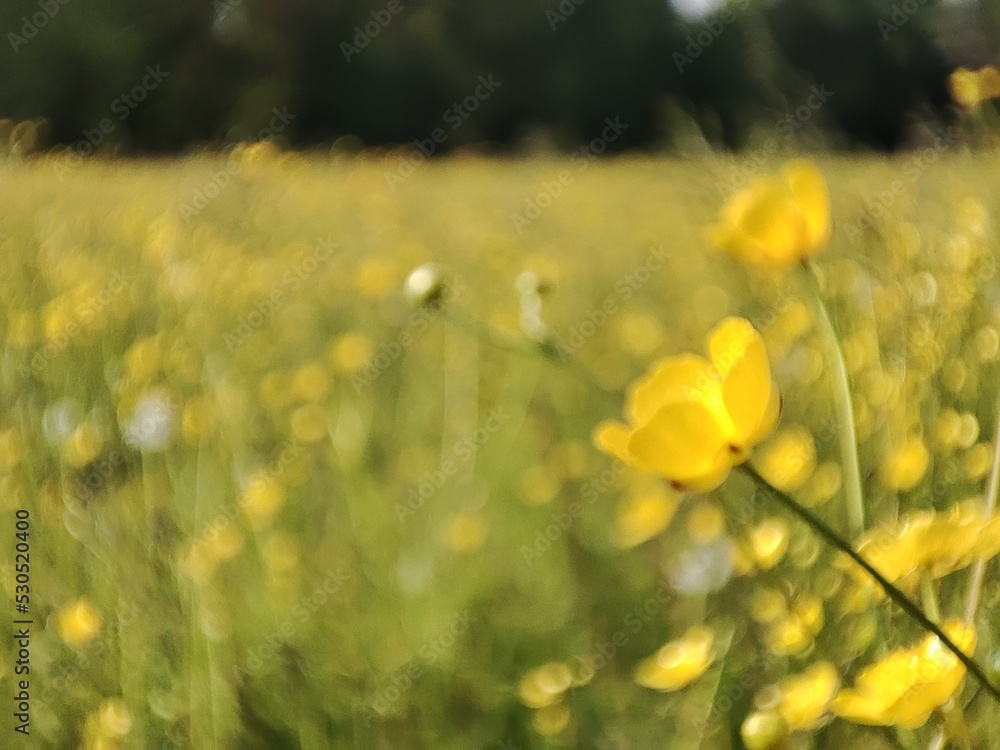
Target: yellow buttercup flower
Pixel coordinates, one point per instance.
(678, 663)
(805, 697)
(773, 223)
(693, 419)
(935, 543)
(907, 685)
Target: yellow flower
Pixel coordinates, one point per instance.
(678, 663)
(545, 685)
(936, 543)
(78, 622)
(773, 223)
(906, 465)
(641, 517)
(805, 697)
(970, 88)
(692, 420)
(907, 685)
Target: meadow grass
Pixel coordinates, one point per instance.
(277, 503)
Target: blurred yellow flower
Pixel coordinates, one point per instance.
(11, 448)
(641, 517)
(788, 459)
(769, 542)
(82, 446)
(907, 685)
(805, 697)
(692, 420)
(906, 464)
(773, 223)
(351, 352)
(78, 622)
(678, 663)
(545, 685)
(311, 382)
(970, 88)
(935, 543)
(466, 532)
(794, 634)
(262, 498)
(115, 717)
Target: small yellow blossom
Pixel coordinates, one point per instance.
(692, 420)
(906, 464)
(351, 353)
(769, 542)
(551, 719)
(773, 223)
(678, 663)
(788, 459)
(805, 697)
(907, 685)
(545, 685)
(82, 446)
(641, 517)
(78, 622)
(936, 543)
(263, 497)
(970, 88)
(466, 532)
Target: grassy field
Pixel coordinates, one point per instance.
(275, 501)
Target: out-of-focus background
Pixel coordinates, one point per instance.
(386, 72)
(280, 423)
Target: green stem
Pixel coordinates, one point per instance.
(904, 603)
(845, 414)
(550, 348)
(979, 570)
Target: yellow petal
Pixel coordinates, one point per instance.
(687, 377)
(612, 438)
(813, 199)
(685, 442)
(738, 353)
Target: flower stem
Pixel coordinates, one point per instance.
(904, 603)
(845, 414)
(989, 508)
(550, 348)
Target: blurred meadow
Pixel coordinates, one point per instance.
(305, 468)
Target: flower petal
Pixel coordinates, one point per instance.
(687, 377)
(813, 199)
(686, 442)
(739, 355)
